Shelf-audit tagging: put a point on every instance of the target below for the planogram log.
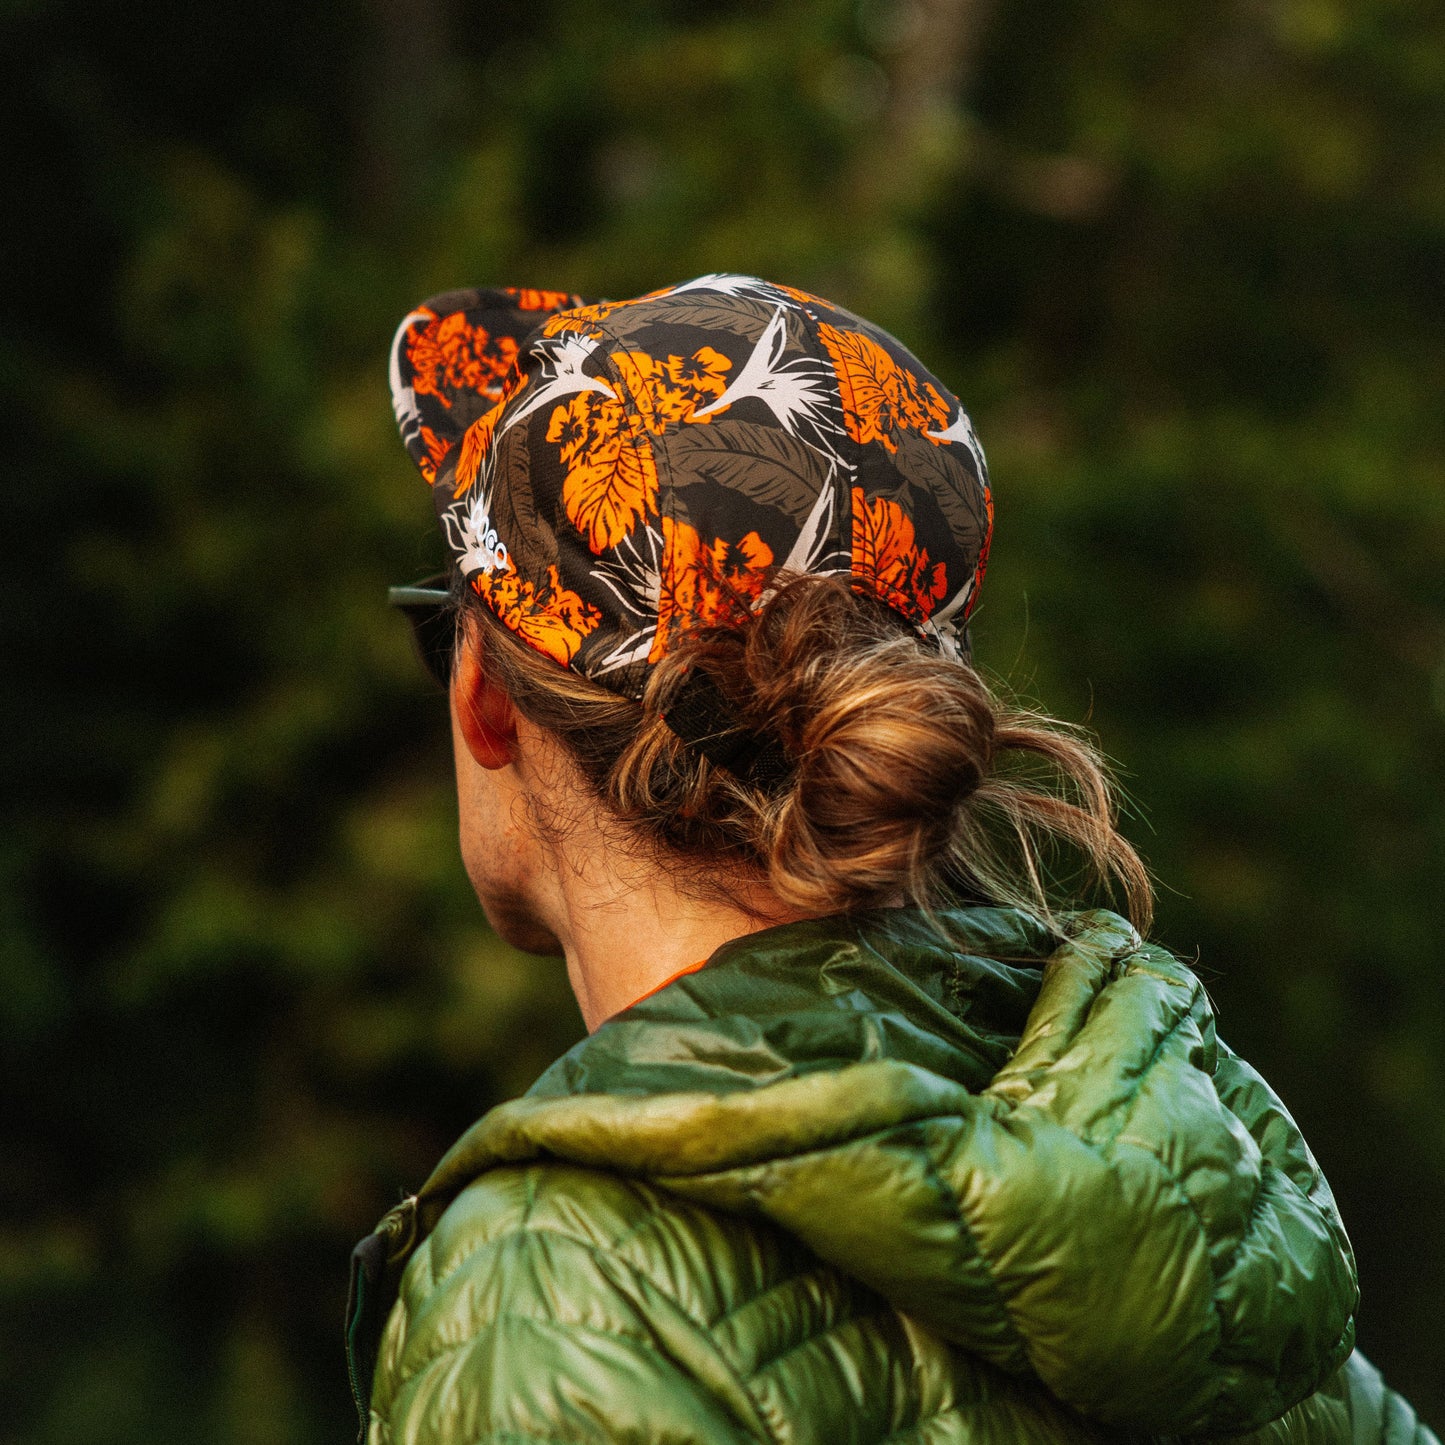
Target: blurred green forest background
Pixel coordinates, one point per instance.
(1183, 259)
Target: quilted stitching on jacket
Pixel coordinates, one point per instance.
(789, 1199)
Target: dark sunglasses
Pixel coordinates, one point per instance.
(432, 612)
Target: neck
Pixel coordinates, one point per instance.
(554, 874)
(626, 929)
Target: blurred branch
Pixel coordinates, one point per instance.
(930, 49)
(934, 66)
(924, 135)
(1060, 187)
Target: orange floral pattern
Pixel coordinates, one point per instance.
(880, 398)
(888, 557)
(434, 451)
(705, 583)
(606, 448)
(982, 565)
(662, 455)
(701, 377)
(449, 354)
(529, 298)
(551, 618)
(611, 480)
(476, 443)
(576, 318)
(803, 298)
(671, 389)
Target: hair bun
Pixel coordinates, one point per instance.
(903, 776)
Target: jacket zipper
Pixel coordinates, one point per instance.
(374, 1265)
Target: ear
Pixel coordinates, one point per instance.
(485, 715)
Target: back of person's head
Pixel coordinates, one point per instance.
(906, 777)
(721, 544)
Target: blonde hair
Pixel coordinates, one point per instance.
(910, 778)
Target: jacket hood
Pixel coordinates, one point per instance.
(1032, 1143)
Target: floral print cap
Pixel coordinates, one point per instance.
(610, 474)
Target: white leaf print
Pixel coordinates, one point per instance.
(634, 648)
(560, 374)
(798, 392)
(809, 552)
(403, 398)
(472, 538)
(960, 429)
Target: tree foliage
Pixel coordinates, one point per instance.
(1182, 260)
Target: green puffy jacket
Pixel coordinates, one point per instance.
(846, 1184)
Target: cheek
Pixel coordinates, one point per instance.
(504, 865)
(492, 844)
(501, 853)
(498, 848)
(487, 826)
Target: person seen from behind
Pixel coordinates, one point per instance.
(872, 1138)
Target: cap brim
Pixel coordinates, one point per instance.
(451, 358)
